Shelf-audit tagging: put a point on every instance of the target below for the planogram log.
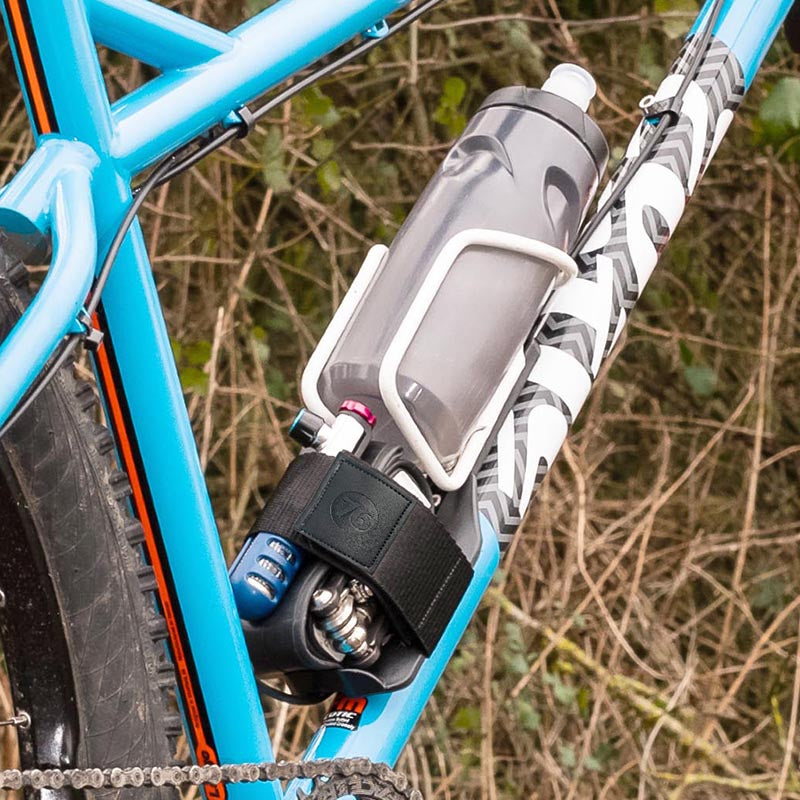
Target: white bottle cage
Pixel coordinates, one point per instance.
(309, 383)
(387, 377)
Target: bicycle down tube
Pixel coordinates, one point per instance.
(206, 76)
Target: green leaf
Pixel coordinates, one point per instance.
(515, 663)
(322, 148)
(454, 121)
(702, 380)
(329, 177)
(779, 115)
(276, 178)
(318, 109)
(564, 693)
(453, 91)
(273, 162)
(674, 28)
(592, 764)
(194, 379)
(584, 698)
(467, 719)
(513, 632)
(529, 718)
(197, 354)
(448, 113)
(687, 356)
(566, 755)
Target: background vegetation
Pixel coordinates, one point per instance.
(642, 637)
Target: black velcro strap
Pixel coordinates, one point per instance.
(294, 492)
(358, 520)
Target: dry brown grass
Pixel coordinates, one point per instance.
(642, 638)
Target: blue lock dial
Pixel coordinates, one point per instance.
(262, 573)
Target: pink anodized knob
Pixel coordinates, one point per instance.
(358, 408)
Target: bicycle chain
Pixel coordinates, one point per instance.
(343, 776)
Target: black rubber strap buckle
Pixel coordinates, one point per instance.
(361, 522)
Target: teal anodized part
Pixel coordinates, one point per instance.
(377, 31)
(296, 420)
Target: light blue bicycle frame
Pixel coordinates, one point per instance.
(76, 188)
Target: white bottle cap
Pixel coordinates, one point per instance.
(573, 83)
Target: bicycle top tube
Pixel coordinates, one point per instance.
(205, 75)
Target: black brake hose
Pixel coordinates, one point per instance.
(310, 699)
(665, 121)
(249, 118)
(60, 357)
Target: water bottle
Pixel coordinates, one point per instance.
(432, 335)
(431, 339)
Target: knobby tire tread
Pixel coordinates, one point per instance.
(64, 465)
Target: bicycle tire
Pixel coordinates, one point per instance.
(83, 641)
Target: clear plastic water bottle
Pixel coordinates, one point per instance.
(432, 335)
